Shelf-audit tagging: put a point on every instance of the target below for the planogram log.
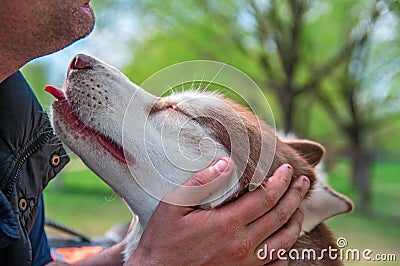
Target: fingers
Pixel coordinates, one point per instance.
(278, 245)
(210, 174)
(280, 214)
(254, 204)
(201, 185)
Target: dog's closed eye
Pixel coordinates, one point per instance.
(160, 106)
(172, 106)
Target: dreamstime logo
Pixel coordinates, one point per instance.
(330, 253)
(341, 242)
(172, 146)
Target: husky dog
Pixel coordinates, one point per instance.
(143, 146)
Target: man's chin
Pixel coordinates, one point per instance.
(73, 37)
(88, 12)
(85, 22)
(86, 25)
(81, 23)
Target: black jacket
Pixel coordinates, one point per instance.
(30, 156)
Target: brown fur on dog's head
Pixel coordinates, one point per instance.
(302, 155)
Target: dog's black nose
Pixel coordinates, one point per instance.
(82, 61)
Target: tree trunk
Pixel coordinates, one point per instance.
(361, 173)
(286, 100)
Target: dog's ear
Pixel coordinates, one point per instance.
(309, 150)
(323, 202)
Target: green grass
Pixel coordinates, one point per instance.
(87, 204)
(379, 231)
(84, 202)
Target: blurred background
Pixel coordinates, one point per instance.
(329, 69)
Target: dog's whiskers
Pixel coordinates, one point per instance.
(201, 83)
(216, 75)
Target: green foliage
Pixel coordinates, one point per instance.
(36, 75)
(228, 32)
(378, 231)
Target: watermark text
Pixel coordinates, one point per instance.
(341, 252)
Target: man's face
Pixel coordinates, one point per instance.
(33, 28)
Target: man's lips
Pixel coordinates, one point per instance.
(84, 2)
(113, 148)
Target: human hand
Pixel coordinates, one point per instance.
(228, 235)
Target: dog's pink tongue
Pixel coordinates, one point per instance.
(59, 94)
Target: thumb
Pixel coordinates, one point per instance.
(202, 184)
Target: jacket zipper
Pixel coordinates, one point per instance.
(34, 147)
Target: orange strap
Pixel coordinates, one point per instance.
(75, 254)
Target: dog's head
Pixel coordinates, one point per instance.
(144, 146)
